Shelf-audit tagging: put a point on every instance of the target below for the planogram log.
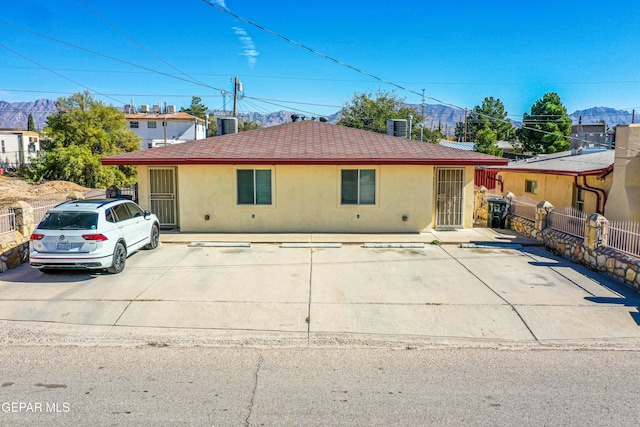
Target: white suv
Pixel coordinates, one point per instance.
(92, 234)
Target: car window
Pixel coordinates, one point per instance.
(69, 221)
(134, 210)
(109, 215)
(122, 213)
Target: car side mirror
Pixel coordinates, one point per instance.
(147, 214)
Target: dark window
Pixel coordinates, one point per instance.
(151, 125)
(254, 186)
(358, 187)
(134, 125)
(122, 213)
(109, 215)
(530, 186)
(134, 210)
(69, 221)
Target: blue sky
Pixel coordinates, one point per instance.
(458, 52)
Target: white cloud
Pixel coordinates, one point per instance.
(250, 51)
(220, 3)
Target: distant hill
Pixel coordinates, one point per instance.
(16, 114)
(611, 116)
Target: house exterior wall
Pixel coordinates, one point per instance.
(623, 203)
(18, 148)
(556, 189)
(177, 131)
(306, 198)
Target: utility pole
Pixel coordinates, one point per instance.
(235, 95)
(237, 87)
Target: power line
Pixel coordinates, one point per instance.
(132, 40)
(344, 64)
(109, 57)
(57, 74)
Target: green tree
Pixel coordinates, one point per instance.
(244, 126)
(490, 115)
(197, 108)
(459, 132)
(80, 133)
(369, 112)
(31, 125)
(548, 127)
(486, 142)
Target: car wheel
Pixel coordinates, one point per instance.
(119, 259)
(154, 239)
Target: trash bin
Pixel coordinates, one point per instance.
(498, 210)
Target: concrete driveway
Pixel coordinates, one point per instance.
(410, 293)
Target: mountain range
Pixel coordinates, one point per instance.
(16, 114)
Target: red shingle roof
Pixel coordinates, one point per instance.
(305, 142)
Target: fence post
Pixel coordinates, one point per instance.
(510, 197)
(542, 212)
(594, 231)
(25, 222)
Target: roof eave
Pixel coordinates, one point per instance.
(556, 172)
(262, 161)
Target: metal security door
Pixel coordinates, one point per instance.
(449, 197)
(162, 187)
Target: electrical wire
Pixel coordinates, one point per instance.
(110, 57)
(58, 74)
(344, 64)
(132, 40)
(276, 35)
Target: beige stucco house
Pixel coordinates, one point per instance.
(580, 179)
(307, 177)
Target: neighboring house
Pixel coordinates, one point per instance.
(18, 147)
(623, 202)
(580, 178)
(590, 135)
(307, 176)
(158, 129)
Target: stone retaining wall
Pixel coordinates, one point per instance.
(14, 246)
(587, 251)
(15, 250)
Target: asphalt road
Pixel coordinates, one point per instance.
(193, 386)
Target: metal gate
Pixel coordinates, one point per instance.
(162, 195)
(449, 198)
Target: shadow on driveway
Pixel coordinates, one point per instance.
(626, 295)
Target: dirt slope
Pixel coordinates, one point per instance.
(13, 189)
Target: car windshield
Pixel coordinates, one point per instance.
(69, 221)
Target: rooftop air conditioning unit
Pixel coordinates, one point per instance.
(397, 127)
(144, 108)
(171, 109)
(156, 109)
(128, 109)
(227, 125)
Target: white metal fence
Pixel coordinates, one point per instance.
(7, 220)
(41, 207)
(524, 207)
(623, 236)
(568, 220)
